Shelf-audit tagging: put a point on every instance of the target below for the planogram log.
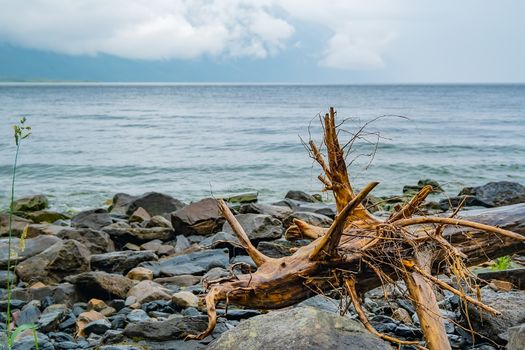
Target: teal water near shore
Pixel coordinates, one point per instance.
(92, 140)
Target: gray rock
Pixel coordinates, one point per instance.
(64, 293)
(278, 212)
(301, 196)
(138, 315)
(121, 347)
(516, 338)
(173, 328)
(17, 225)
(194, 263)
(155, 204)
(99, 284)
(309, 217)
(98, 327)
(222, 240)
(146, 291)
(122, 261)
(137, 235)
(29, 314)
(121, 202)
(511, 305)
(182, 243)
(201, 218)
(181, 280)
(299, 328)
(7, 277)
(495, 194)
(33, 246)
(51, 317)
(97, 242)
(280, 247)
(56, 262)
(323, 303)
(319, 208)
(93, 218)
(159, 221)
(32, 203)
(36, 230)
(49, 216)
(514, 276)
(27, 342)
(258, 226)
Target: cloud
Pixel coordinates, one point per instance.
(360, 31)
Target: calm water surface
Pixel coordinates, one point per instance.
(92, 140)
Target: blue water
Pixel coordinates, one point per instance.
(90, 141)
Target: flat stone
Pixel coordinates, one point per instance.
(301, 196)
(194, 263)
(36, 230)
(138, 315)
(514, 276)
(278, 212)
(159, 221)
(258, 226)
(29, 314)
(121, 261)
(155, 204)
(137, 235)
(181, 280)
(173, 328)
(86, 318)
(33, 246)
(248, 197)
(51, 317)
(93, 218)
(101, 284)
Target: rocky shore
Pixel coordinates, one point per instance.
(130, 276)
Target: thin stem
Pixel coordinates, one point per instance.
(9, 284)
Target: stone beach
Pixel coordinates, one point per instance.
(130, 276)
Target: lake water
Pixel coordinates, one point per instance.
(90, 141)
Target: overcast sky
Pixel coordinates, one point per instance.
(344, 41)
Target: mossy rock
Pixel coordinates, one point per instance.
(32, 203)
(49, 216)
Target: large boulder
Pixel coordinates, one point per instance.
(299, 328)
(122, 261)
(512, 307)
(258, 227)
(495, 194)
(99, 284)
(17, 224)
(201, 218)
(92, 218)
(31, 203)
(56, 262)
(97, 242)
(155, 204)
(196, 263)
(33, 246)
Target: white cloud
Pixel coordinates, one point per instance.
(361, 31)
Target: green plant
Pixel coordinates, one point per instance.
(21, 132)
(503, 263)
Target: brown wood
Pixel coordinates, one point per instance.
(360, 248)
